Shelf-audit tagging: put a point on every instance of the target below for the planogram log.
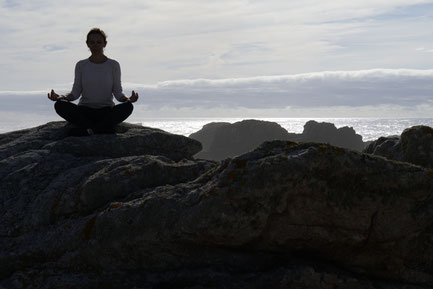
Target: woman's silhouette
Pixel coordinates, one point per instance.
(97, 79)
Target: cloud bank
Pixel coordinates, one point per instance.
(373, 87)
(375, 92)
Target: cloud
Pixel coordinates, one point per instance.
(390, 93)
(374, 87)
(158, 40)
(402, 87)
(54, 47)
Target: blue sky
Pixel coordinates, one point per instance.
(184, 56)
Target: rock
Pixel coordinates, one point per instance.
(288, 199)
(281, 278)
(324, 132)
(223, 140)
(415, 145)
(47, 177)
(388, 147)
(206, 136)
(284, 215)
(135, 140)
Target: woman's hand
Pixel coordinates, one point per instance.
(134, 97)
(54, 96)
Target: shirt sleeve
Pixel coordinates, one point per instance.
(117, 85)
(77, 88)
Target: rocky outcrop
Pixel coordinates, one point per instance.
(49, 176)
(324, 132)
(415, 145)
(223, 140)
(129, 140)
(208, 135)
(284, 215)
(388, 147)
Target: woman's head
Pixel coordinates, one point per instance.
(96, 40)
(97, 31)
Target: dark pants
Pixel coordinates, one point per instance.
(100, 120)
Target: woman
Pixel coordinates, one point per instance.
(97, 79)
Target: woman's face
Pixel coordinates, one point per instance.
(96, 43)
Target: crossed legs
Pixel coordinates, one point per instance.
(98, 120)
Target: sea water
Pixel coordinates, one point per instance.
(368, 128)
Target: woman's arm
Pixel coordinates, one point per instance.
(76, 88)
(117, 87)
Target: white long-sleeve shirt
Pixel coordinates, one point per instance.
(97, 83)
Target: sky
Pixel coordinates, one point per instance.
(237, 58)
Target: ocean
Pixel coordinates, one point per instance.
(368, 128)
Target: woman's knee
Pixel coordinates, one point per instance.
(131, 107)
(60, 106)
(127, 107)
(57, 105)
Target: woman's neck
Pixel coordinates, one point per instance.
(98, 58)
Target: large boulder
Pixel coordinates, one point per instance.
(389, 147)
(284, 215)
(223, 140)
(129, 140)
(46, 175)
(310, 200)
(207, 136)
(415, 145)
(325, 132)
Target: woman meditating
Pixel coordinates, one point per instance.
(97, 79)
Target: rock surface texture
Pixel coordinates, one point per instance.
(222, 140)
(284, 215)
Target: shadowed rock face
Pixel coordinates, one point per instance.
(223, 140)
(415, 145)
(285, 215)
